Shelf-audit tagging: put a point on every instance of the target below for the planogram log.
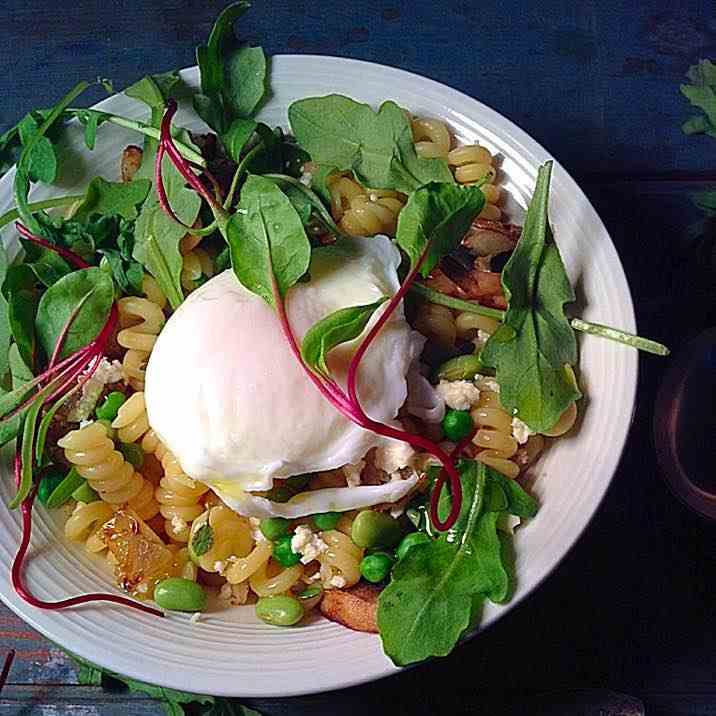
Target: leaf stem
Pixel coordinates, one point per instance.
(457, 303)
(614, 334)
(9, 216)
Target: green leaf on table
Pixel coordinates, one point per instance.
(92, 286)
(702, 94)
(377, 147)
(534, 348)
(244, 80)
(112, 198)
(157, 236)
(341, 326)
(431, 598)
(434, 221)
(270, 251)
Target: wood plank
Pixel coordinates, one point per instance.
(595, 82)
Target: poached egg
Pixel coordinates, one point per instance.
(229, 399)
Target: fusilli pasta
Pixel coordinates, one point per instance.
(494, 434)
(86, 522)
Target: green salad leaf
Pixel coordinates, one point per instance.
(434, 220)
(377, 147)
(270, 251)
(112, 198)
(5, 333)
(533, 351)
(437, 587)
(157, 236)
(92, 286)
(702, 94)
(244, 80)
(341, 326)
(22, 308)
(20, 374)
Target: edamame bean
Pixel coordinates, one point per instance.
(133, 454)
(181, 595)
(376, 567)
(280, 610)
(457, 424)
(273, 528)
(326, 520)
(111, 404)
(375, 529)
(410, 541)
(283, 553)
(460, 368)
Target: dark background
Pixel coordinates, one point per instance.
(596, 82)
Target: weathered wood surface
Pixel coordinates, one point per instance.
(631, 608)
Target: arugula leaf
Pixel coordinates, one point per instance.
(157, 236)
(534, 348)
(112, 198)
(431, 598)
(42, 159)
(338, 327)
(702, 94)
(61, 299)
(244, 80)
(434, 221)
(270, 251)
(377, 146)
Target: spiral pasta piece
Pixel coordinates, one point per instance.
(197, 265)
(340, 563)
(494, 435)
(86, 522)
(229, 536)
(106, 470)
(141, 320)
(364, 212)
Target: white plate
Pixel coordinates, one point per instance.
(234, 654)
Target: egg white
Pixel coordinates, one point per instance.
(228, 398)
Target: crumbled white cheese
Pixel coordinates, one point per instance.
(458, 394)
(178, 524)
(219, 566)
(353, 473)
(256, 532)
(486, 383)
(520, 431)
(311, 578)
(480, 339)
(397, 510)
(337, 581)
(195, 617)
(307, 543)
(106, 373)
(394, 456)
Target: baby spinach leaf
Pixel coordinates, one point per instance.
(434, 221)
(22, 309)
(244, 80)
(339, 327)
(91, 285)
(377, 146)
(20, 375)
(533, 348)
(48, 266)
(154, 90)
(157, 236)
(112, 198)
(237, 136)
(270, 251)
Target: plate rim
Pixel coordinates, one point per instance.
(383, 669)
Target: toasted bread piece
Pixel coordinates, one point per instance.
(130, 163)
(355, 608)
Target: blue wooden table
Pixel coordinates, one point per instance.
(596, 81)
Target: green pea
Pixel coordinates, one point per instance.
(280, 610)
(84, 493)
(274, 528)
(283, 553)
(460, 368)
(375, 529)
(376, 567)
(457, 424)
(410, 541)
(112, 403)
(48, 484)
(181, 595)
(133, 454)
(64, 489)
(326, 520)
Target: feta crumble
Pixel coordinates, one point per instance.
(219, 567)
(195, 617)
(353, 473)
(480, 339)
(307, 543)
(234, 594)
(107, 372)
(486, 383)
(393, 456)
(520, 431)
(178, 524)
(256, 533)
(337, 581)
(458, 394)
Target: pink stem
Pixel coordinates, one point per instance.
(71, 256)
